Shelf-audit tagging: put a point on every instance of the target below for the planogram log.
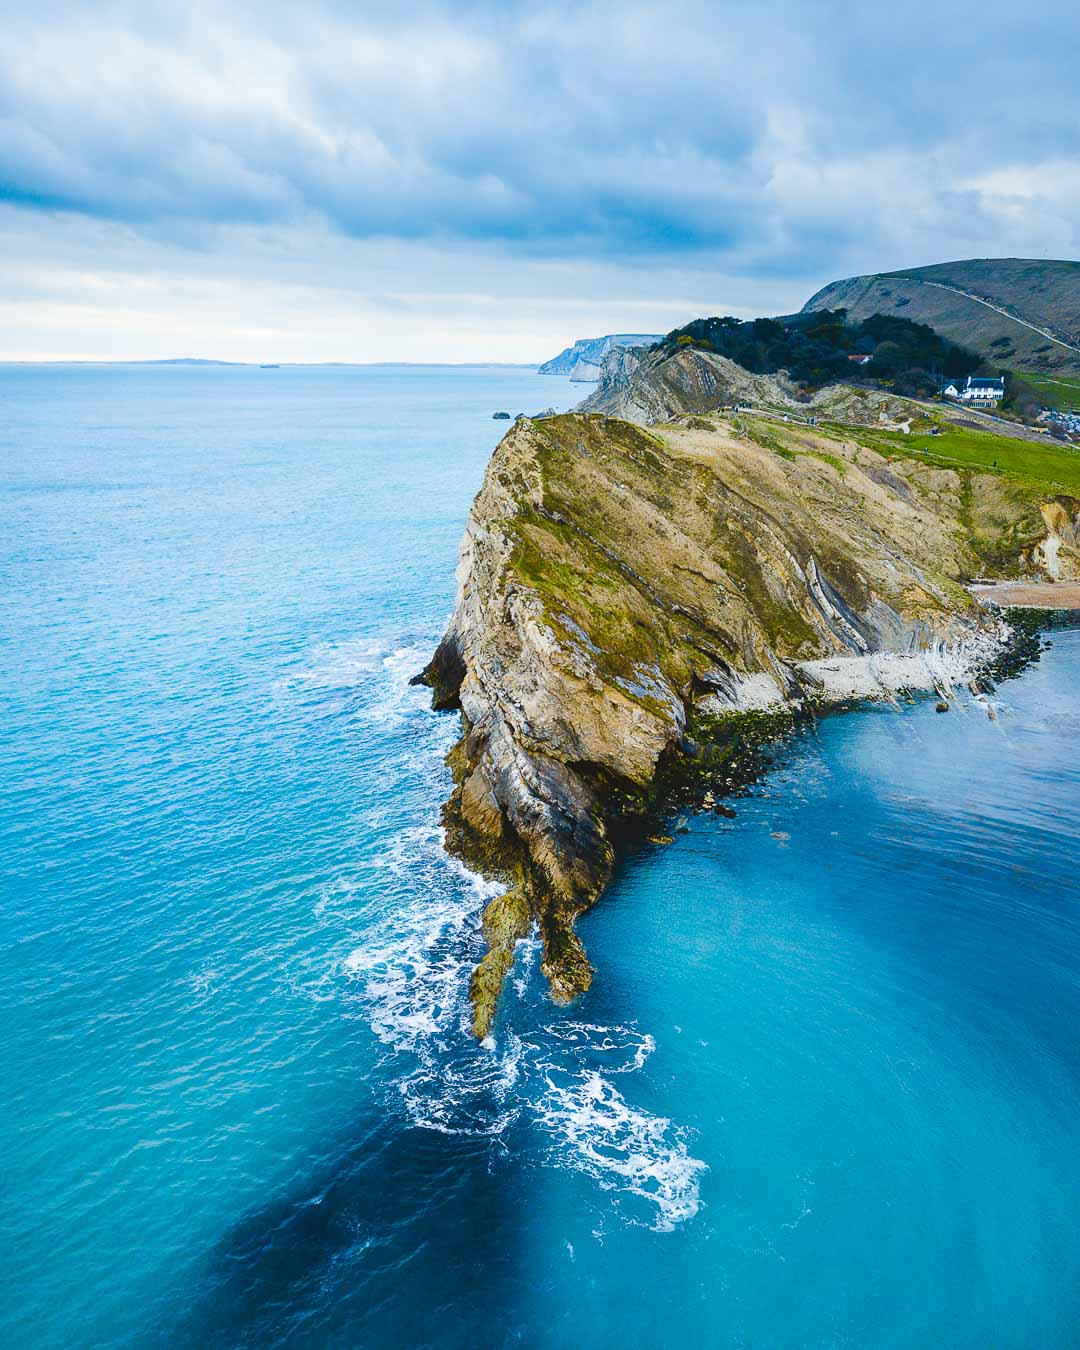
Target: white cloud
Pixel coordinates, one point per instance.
(455, 175)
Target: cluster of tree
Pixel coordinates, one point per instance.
(816, 349)
(1022, 398)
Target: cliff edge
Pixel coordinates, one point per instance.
(619, 588)
(583, 359)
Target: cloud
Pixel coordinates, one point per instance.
(84, 289)
(784, 144)
(643, 128)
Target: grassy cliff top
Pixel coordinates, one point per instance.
(1046, 465)
(719, 516)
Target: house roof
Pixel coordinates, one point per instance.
(985, 382)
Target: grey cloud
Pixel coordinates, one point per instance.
(782, 137)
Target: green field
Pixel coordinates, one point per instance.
(1057, 391)
(1046, 464)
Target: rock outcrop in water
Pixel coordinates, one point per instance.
(617, 585)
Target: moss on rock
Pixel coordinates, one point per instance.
(506, 920)
(611, 578)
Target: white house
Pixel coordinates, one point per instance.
(979, 391)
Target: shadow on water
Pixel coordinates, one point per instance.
(385, 1235)
(399, 1235)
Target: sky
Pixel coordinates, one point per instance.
(478, 181)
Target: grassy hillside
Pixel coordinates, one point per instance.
(955, 299)
(1057, 391)
(1046, 465)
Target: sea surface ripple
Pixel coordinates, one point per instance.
(824, 1091)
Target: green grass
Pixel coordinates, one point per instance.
(840, 465)
(1042, 464)
(1057, 391)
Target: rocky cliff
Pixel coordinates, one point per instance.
(582, 361)
(620, 590)
(656, 385)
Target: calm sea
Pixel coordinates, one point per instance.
(825, 1091)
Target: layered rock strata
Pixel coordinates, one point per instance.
(613, 584)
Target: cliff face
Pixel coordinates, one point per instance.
(657, 385)
(582, 361)
(613, 584)
(652, 386)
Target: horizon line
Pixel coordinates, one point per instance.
(256, 365)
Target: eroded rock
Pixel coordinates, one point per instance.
(617, 589)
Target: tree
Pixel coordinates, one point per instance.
(1022, 398)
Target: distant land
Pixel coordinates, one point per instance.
(1019, 313)
(583, 360)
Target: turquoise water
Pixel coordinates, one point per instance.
(823, 1093)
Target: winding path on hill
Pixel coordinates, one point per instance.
(941, 286)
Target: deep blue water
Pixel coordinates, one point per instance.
(825, 1091)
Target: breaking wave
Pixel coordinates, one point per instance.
(416, 914)
(591, 1125)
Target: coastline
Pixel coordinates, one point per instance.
(639, 608)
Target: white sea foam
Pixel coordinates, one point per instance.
(370, 676)
(592, 1127)
(335, 665)
(559, 1076)
(622, 1147)
(416, 912)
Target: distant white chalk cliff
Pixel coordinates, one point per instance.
(582, 361)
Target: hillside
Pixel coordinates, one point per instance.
(582, 361)
(667, 382)
(655, 385)
(800, 354)
(1018, 313)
